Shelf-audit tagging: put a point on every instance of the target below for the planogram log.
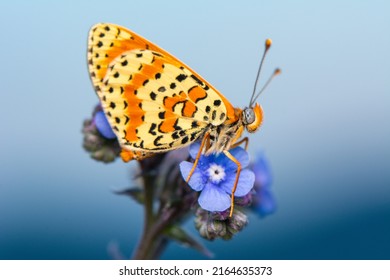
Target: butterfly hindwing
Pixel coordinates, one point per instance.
(155, 105)
(153, 101)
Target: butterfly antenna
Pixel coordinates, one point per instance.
(276, 72)
(268, 44)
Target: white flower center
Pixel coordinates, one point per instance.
(216, 173)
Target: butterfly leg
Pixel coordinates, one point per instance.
(238, 143)
(205, 140)
(232, 158)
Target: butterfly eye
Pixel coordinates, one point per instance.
(252, 118)
(248, 116)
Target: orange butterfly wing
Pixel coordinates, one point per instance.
(153, 101)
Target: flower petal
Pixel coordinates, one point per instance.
(241, 155)
(214, 199)
(267, 203)
(230, 166)
(262, 171)
(197, 180)
(244, 185)
(103, 126)
(194, 149)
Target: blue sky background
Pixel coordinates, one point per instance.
(326, 129)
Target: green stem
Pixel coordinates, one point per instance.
(153, 241)
(146, 242)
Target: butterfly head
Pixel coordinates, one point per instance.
(252, 117)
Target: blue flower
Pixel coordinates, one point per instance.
(264, 201)
(214, 177)
(103, 126)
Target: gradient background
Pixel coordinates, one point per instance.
(326, 129)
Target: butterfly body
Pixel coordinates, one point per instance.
(154, 102)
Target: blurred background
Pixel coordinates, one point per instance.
(326, 130)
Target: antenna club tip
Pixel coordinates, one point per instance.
(268, 43)
(277, 71)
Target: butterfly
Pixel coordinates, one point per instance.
(155, 103)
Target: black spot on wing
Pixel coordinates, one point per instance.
(175, 135)
(214, 115)
(156, 141)
(193, 136)
(152, 129)
(194, 124)
(141, 145)
(181, 77)
(197, 80)
(184, 140)
(175, 126)
(217, 102)
(157, 54)
(182, 132)
(153, 95)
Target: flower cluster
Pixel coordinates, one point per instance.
(99, 139)
(168, 199)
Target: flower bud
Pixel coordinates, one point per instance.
(211, 225)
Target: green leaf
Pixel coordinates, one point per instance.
(183, 238)
(136, 193)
